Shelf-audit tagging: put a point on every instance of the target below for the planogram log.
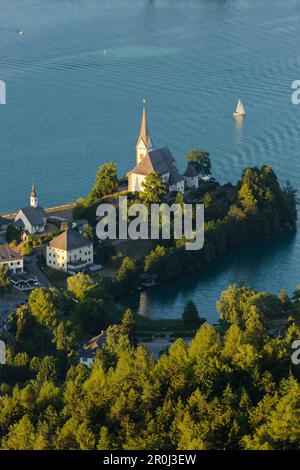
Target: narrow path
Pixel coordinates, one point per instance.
(32, 266)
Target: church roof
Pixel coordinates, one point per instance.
(144, 132)
(34, 215)
(69, 240)
(160, 161)
(175, 176)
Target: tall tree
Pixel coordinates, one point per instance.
(127, 275)
(79, 285)
(200, 161)
(190, 315)
(106, 183)
(4, 279)
(154, 189)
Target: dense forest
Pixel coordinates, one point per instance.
(232, 387)
(255, 208)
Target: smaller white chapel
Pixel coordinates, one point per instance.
(32, 219)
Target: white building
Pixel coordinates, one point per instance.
(32, 219)
(150, 160)
(70, 252)
(11, 259)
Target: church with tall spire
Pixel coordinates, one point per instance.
(151, 160)
(34, 202)
(144, 143)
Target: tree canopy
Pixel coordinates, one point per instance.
(200, 161)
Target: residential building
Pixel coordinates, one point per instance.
(70, 252)
(88, 353)
(10, 258)
(32, 219)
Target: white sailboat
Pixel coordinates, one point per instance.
(240, 110)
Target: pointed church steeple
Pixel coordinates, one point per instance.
(33, 197)
(144, 142)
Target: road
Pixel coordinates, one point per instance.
(9, 302)
(32, 266)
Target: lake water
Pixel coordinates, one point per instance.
(75, 84)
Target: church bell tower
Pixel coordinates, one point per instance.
(144, 143)
(34, 202)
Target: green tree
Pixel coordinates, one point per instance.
(43, 306)
(106, 183)
(5, 284)
(65, 336)
(24, 324)
(154, 189)
(92, 315)
(79, 285)
(88, 232)
(26, 249)
(128, 325)
(21, 436)
(13, 234)
(104, 439)
(232, 305)
(190, 315)
(127, 275)
(200, 161)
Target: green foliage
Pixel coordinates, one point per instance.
(106, 183)
(154, 189)
(256, 209)
(228, 389)
(26, 249)
(43, 306)
(231, 307)
(88, 232)
(127, 275)
(163, 262)
(200, 161)
(5, 284)
(12, 234)
(79, 285)
(104, 250)
(232, 387)
(190, 315)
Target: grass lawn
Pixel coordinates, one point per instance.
(146, 328)
(58, 278)
(135, 249)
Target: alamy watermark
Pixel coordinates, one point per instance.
(296, 93)
(2, 352)
(154, 222)
(2, 92)
(296, 353)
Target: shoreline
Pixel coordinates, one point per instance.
(48, 210)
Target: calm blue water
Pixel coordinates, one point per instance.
(76, 80)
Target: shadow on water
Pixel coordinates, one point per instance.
(265, 265)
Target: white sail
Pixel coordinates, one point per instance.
(240, 110)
